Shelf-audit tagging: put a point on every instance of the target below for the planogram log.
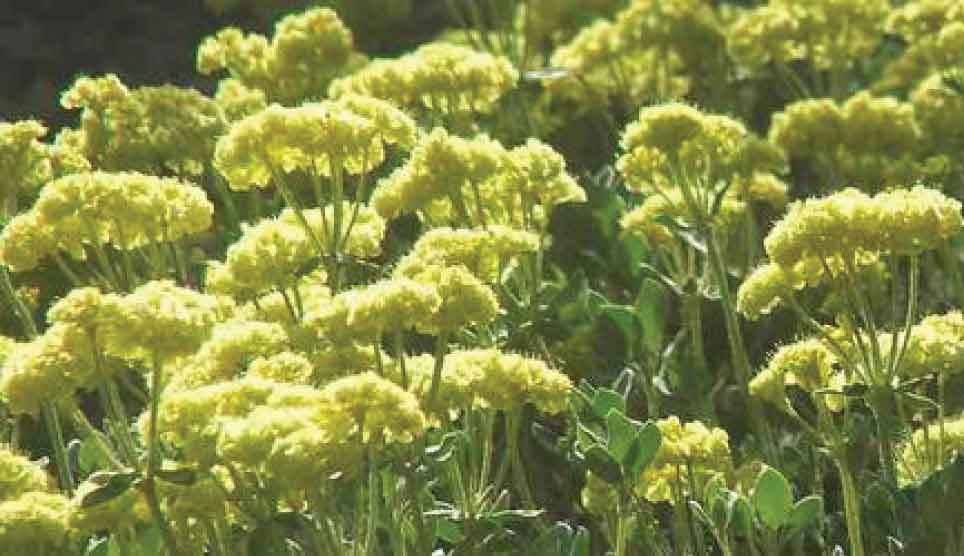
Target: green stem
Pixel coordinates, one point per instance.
(20, 308)
(56, 435)
(153, 454)
(400, 357)
(441, 346)
(372, 502)
(851, 507)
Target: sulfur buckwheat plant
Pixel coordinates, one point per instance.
(495, 277)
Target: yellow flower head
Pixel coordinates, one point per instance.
(19, 475)
(34, 523)
(48, 369)
(442, 77)
(484, 252)
(318, 138)
(688, 454)
(441, 166)
(224, 355)
(148, 129)
(306, 52)
(158, 320)
(921, 455)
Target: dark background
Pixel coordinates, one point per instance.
(46, 44)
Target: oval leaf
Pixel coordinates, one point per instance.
(772, 498)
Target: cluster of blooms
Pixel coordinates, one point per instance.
(290, 434)
(807, 363)
(125, 210)
(867, 141)
(485, 252)
(827, 33)
(649, 50)
(32, 518)
(843, 224)
(348, 135)
(689, 454)
(843, 232)
(554, 21)
(148, 129)
(305, 53)
(27, 163)
(939, 113)
(159, 321)
(439, 77)
(934, 33)
(674, 142)
(452, 179)
(671, 141)
(277, 252)
(51, 367)
(929, 449)
(488, 379)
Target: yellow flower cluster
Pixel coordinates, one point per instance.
(125, 210)
(689, 454)
(19, 475)
(484, 252)
(49, 368)
(148, 129)
(238, 101)
(489, 379)
(159, 320)
(868, 142)
(230, 347)
(27, 163)
(35, 523)
(843, 225)
(305, 53)
(929, 449)
(464, 299)
(550, 21)
(827, 33)
(939, 112)
(674, 141)
(290, 434)
(32, 519)
(441, 166)
(349, 135)
(450, 178)
(365, 313)
(441, 77)
(808, 364)
(536, 174)
(935, 345)
(648, 51)
(644, 220)
(934, 33)
(277, 252)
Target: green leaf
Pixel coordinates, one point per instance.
(112, 485)
(602, 463)
(449, 531)
(651, 308)
(626, 322)
(182, 476)
(90, 457)
(806, 512)
(772, 498)
(622, 434)
(605, 400)
(647, 443)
